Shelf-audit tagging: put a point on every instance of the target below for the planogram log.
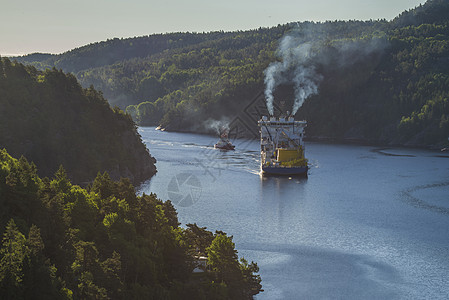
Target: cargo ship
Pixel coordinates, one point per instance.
(282, 146)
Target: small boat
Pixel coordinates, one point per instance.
(445, 149)
(224, 143)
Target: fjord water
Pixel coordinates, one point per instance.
(367, 223)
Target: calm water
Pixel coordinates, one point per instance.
(366, 224)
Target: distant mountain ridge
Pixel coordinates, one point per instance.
(396, 94)
(432, 12)
(115, 50)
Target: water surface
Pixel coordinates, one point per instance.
(367, 223)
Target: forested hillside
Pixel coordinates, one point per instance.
(380, 81)
(48, 117)
(60, 241)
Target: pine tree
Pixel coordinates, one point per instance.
(13, 253)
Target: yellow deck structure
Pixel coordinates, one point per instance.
(288, 157)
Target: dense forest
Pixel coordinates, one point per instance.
(48, 117)
(61, 241)
(380, 81)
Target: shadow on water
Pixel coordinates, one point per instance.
(346, 276)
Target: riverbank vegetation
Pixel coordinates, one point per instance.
(48, 117)
(61, 241)
(395, 91)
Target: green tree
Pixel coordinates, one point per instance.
(223, 260)
(250, 278)
(13, 254)
(198, 239)
(40, 279)
(107, 243)
(240, 278)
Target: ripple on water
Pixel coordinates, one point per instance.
(433, 197)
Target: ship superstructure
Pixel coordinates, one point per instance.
(224, 143)
(282, 146)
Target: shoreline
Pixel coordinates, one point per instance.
(330, 140)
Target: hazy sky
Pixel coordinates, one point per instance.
(55, 26)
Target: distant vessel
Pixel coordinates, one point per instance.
(224, 143)
(282, 147)
(445, 149)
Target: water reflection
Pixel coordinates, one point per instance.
(281, 199)
(279, 186)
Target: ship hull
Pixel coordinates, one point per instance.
(224, 147)
(288, 171)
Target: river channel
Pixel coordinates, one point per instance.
(367, 222)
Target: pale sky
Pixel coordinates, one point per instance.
(56, 26)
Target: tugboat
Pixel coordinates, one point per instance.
(282, 147)
(224, 143)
